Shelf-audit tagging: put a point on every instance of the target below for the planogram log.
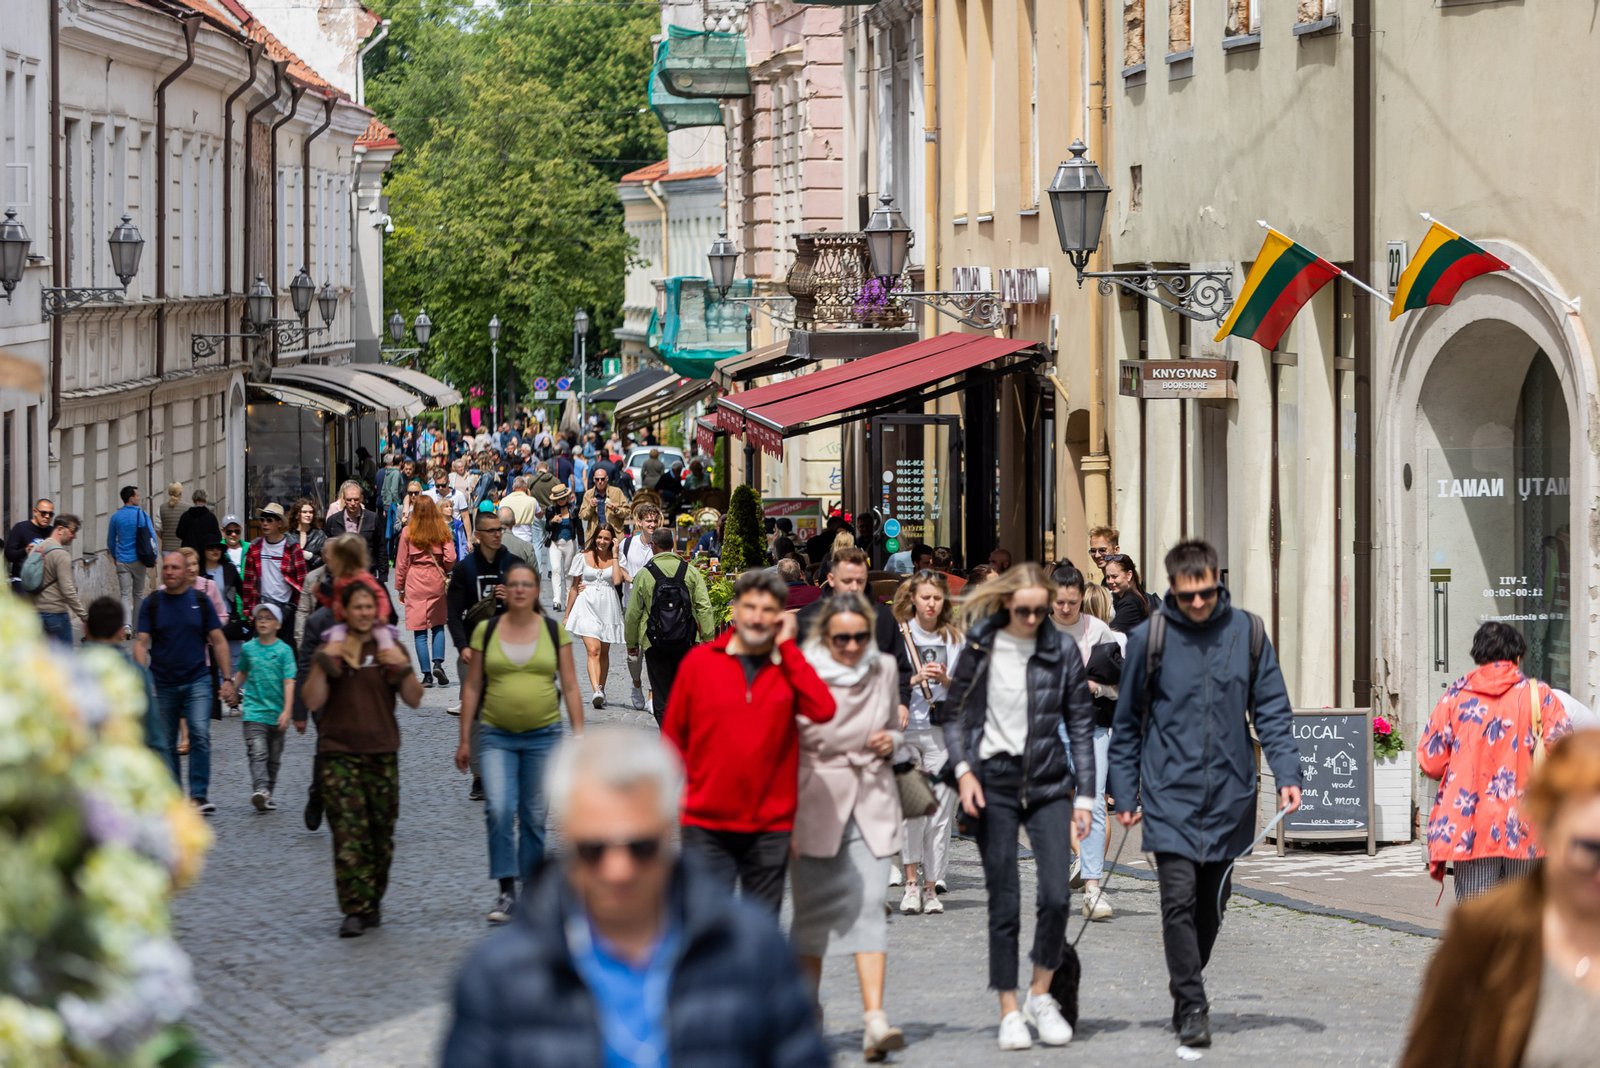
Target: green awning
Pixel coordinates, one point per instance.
(704, 65)
(696, 329)
(677, 112)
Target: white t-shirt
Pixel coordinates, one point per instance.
(636, 553)
(1089, 631)
(930, 647)
(274, 587)
(1005, 727)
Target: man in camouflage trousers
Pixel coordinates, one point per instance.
(361, 795)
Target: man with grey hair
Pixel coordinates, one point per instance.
(515, 545)
(354, 518)
(524, 509)
(622, 953)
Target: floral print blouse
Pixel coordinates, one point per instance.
(1479, 745)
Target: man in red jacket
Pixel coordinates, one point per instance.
(742, 757)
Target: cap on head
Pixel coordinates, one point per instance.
(231, 521)
(271, 609)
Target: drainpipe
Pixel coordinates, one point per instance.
(1361, 219)
(191, 27)
(295, 93)
(1097, 464)
(279, 68)
(305, 181)
(361, 61)
(58, 261)
(253, 50)
(653, 190)
(930, 152)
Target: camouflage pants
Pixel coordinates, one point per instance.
(361, 796)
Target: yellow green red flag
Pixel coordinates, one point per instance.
(1285, 275)
(1444, 262)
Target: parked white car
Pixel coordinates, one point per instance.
(640, 454)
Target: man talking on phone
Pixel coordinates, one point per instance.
(475, 594)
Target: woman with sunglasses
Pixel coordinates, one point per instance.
(1133, 605)
(847, 817)
(1517, 975)
(927, 626)
(511, 684)
(1018, 681)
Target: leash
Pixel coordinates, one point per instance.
(1104, 878)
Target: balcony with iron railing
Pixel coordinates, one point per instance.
(833, 288)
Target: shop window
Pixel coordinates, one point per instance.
(1132, 37)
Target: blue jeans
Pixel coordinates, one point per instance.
(541, 553)
(58, 626)
(424, 661)
(1092, 849)
(513, 787)
(190, 701)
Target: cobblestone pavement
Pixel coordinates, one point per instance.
(279, 988)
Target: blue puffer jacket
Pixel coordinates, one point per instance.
(1193, 766)
(737, 1000)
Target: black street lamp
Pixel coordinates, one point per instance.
(259, 304)
(301, 292)
(422, 326)
(327, 303)
(494, 356)
(126, 244)
(888, 239)
(14, 242)
(724, 259)
(397, 327)
(1078, 197)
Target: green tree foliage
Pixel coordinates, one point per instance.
(515, 123)
(743, 545)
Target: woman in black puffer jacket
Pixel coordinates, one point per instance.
(1016, 683)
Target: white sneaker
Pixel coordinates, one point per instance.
(895, 876)
(1096, 906)
(638, 699)
(1014, 1032)
(912, 902)
(1075, 873)
(1044, 1014)
(930, 902)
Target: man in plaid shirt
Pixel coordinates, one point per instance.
(274, 570)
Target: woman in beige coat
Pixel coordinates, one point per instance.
(847, 820)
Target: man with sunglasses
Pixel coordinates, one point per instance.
(622, 953)
(1103, 542)
(25, 535)
(1181, 749)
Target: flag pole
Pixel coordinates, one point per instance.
(1352, 279)
(1573, 303)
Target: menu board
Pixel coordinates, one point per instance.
(1335, 775)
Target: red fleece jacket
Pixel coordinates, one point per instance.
(740, 744)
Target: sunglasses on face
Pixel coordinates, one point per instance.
(641, 850)
(840, 641)
(1098, 552)
(1207, 594)
(45, 515)
(1030, 612)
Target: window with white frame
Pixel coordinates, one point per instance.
(19, 126)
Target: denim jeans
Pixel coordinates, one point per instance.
(541, 553)
(424, 661)
(191, 702)
(130, 584)
(263, 745)
(1049, 832)
(58, 626)
(1093, 848)
(513, 787)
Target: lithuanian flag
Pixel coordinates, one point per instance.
(1286, 274)
(1437, 271)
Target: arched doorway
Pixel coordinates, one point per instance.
(1495, 441)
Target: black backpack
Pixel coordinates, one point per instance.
(1156, 645)
(671, 621)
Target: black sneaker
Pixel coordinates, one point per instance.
(438, 673)
(504, 906)
(373, 918)
(476, 793)
(313, 809)
(206, 807)
(427, 681)
(352, 927)
(1195, 1029)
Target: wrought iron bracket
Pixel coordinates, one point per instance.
(205, 346)
(766, 305)
(55, 301)
(1206, 296)
(292, 334)
(982, 311)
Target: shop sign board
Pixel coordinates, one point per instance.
(1025, 285)
(804, 512)
(970, 280)
(1178, 379)
(1336, 776)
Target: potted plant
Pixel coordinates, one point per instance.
(743, 545)
(1391, 782)
(875, 304)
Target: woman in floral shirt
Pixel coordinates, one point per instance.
(1479, 744)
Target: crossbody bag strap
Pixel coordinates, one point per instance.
(1537, 717)
(916, 659)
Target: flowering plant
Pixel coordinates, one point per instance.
(876, 295)
(1386, 740)
(94, 838)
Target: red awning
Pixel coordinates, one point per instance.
(767, 415)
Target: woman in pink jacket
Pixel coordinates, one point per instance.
(424, 557)
(1480, 744)
(847, 818)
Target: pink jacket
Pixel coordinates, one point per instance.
(420, 578)
(840, 777)
(1479, 745)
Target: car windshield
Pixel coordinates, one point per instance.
(668, 457)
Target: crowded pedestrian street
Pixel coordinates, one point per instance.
(275, 989)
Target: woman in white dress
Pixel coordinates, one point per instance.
(594, 612)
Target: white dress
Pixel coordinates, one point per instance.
(597, 613)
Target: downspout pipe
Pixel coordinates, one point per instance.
(191, 28)
(305, 181)
(58, 255)
(280, 68)
(653, 191)
(253, 50)
(361, 61)
(295, 93)
(1362, 227)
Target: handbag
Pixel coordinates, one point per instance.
(916, 789)
(144, 548)
(1540, 750)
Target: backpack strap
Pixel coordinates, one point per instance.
(1258, 642)
(1154, 649)
(655, 572)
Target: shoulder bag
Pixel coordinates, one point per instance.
(1540, 750)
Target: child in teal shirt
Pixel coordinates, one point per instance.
(265, 681)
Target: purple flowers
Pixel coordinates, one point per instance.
(1502, 785)
(876, 295)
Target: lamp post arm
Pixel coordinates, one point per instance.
(1205, 296)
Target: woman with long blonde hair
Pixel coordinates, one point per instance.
(167, 517)
(1017, 682)
(923, 610)
(425, 554)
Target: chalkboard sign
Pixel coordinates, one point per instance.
(1335, 776)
